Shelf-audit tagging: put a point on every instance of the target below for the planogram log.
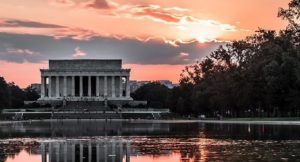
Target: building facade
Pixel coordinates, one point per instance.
(85, 80)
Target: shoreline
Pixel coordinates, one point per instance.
(231, 121)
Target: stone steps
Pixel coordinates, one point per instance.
(86, 116)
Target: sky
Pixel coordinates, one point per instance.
(156, 39)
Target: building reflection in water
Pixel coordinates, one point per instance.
(86, 151)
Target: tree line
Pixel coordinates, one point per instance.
(12, 96)
(256, 76)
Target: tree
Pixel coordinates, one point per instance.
(154, 93)
(16, 96)
(12, 96)
(31, 94)
(3, 93)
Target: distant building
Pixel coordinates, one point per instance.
(134, 85)
(36, 87)
(167, 83)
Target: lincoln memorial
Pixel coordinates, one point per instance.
(85, 80)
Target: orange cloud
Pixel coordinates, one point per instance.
(179, 21)
(61, 3)
(187, 27)
(154, 12)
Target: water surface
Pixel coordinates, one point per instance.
(93, 141)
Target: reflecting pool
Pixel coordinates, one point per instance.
(134, 141)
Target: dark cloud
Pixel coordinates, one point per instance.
(20, 57)
(38, 28)
(97, 4)
(25, 23)
(132, 51)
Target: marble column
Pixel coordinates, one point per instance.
(81, 153)
(105, 152)
(65, 86)
(97, 86)
(121, 149)
(73, 86)
(89, 86)
(121, 87)
(113, 90)
(57, 86)
(50, 152)
(42, 87)
(105, 86)
(49, 87)
(57, 152)
(113, 151)
(73, 152)
(98, 153)
(65, 152)
(43, 152)
(127, 152)
(90, 152)
(81, 86)
(127, 87)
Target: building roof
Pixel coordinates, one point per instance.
(85, 64)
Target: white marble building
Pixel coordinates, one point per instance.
(85, 80)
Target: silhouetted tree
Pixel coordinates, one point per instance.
(4, 102)
(16, 96)
(12, 96)
(31, 94)
(154, 93)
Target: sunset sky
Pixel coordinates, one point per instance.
(156, 39)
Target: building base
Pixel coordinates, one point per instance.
(85, 102)
(85, 98)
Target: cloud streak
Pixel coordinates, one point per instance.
(19, 51)
(26, 23)
(152, 12)
(39, 28)
(61, 3)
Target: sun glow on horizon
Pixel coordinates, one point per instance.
(203, 30)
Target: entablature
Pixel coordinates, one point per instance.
(122, 72)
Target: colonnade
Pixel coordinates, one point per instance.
(64, 86)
